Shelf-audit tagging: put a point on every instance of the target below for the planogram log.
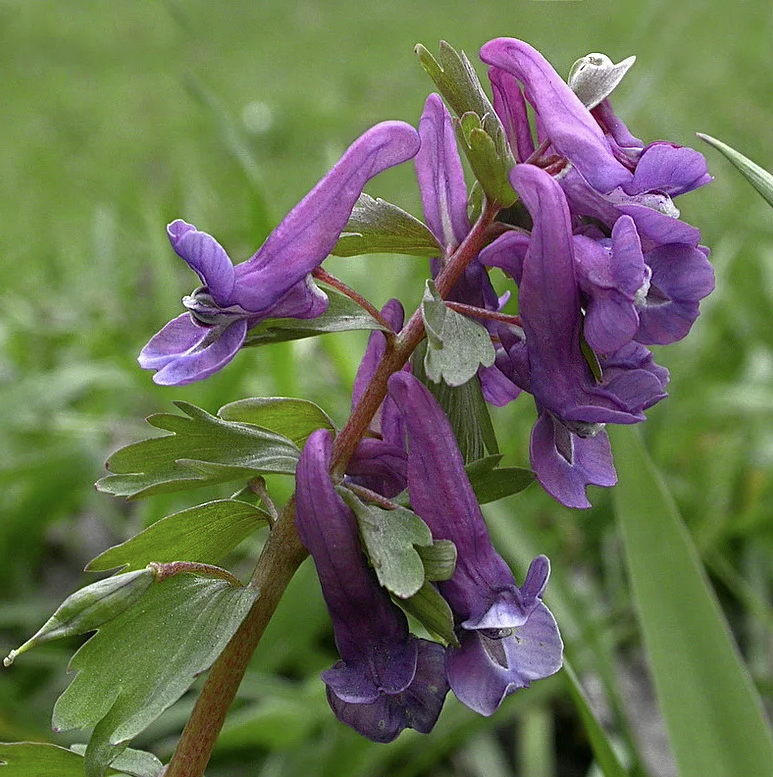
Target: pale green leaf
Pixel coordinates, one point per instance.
(295, 419)
(201, 450)
(38, 759)
(490, 482)
(432, 611)
(141, 662)
(135, 763)
(379, 227)
(712, 711)
(205, 533)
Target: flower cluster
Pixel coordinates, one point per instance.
(604, 268)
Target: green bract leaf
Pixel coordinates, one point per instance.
(491, 483)
(89, 608)
(432, 611)
(439, 559)
(455, 79)
(389, 537)
(465, 408)
(594, 77)
(206, 533)
(342, 315)
(456, 345)
(713, 714)
(379, 227)
(485, 145)
(295, 419)
(201, 450)
(36, 759)
(141, 662)
(758, 177)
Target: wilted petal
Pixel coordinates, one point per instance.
(206, 257)
(565, 463)
(440, 174)
(309, 232)
(567, 122)
(185, 351)
(511, 109)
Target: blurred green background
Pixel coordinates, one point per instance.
(119, 117)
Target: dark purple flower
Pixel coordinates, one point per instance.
(276, 281)
(386, 680)
(507, 636)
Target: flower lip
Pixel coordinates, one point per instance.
(203, 307)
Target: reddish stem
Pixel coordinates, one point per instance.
(471, 310)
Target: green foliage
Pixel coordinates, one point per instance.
(141, 662)
(202, 449)
(294, 419)
(342, 315)
(379, 227)
(456, 345)
(432, 611)
(89, 608)
(713, 714)
(205, 533)
(28, 759)
(491, 482)
(757, 176)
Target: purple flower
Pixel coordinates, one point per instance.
(386, 680)
(507, 636)
(276, 281)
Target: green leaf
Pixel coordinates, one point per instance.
(485, 145)
(38, 759)
(465, 408)
(89, 608)
(491, 483)
(439, 559)
(201, 450)
(140, 663)
(379, 227)
(136, 763)
(758, 177)
(295, 419)
(606, 758)
(456, 345)
(712, 711)
(342, 315)
(432, 611)
(455, 79)
(389, 537)
(206, 533)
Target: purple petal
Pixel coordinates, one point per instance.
(185, 351)
(617, 130)
(668, 168)
(362, 613)
(511, 109)
(310, 231)
(483, 671)
(380, 466)
(497, 388)
(417, 707)
(507, 253)
(565, 463)
(572, 130)
(206, 257)
(303, 300)
(440, 174)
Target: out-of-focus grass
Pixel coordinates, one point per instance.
(105, 138)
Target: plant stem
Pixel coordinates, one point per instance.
(471, 310)
(283, 552)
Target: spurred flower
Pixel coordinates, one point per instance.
(508, 637)
(386, 680)
(276, 281)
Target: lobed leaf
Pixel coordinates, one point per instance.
(342, 315)
(456, 345)
(205, 533)
(201, 450)
(379, 227)
(295, 419)
(140, 663)
(713, 714)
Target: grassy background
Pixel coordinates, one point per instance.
(119, 117)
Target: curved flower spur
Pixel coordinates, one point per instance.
(276, 281)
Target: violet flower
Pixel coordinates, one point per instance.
(276, 281)
(386, 680)
(507, 636)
